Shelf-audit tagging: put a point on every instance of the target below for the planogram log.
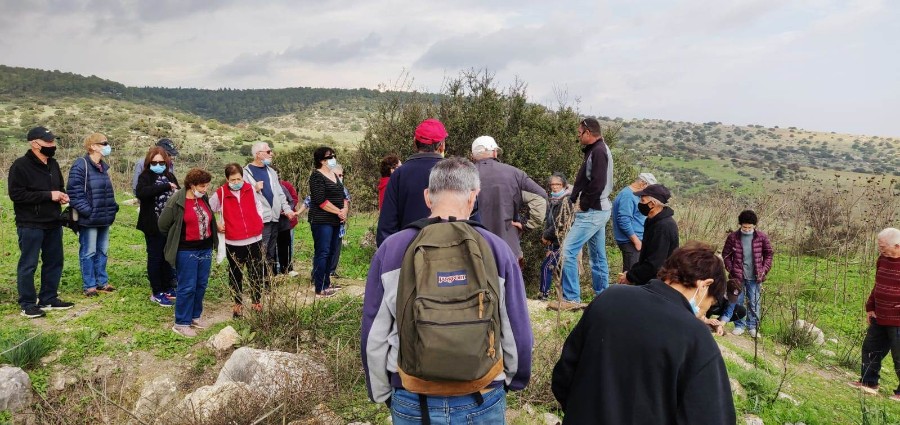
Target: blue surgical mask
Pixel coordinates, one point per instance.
(158, 169)
(236, 186)
(106, 150)
(746, 232)
(558, 194)
(694, 305)
(331, 163)
(267, 161)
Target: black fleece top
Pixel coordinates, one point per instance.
(660, 240)
(639, 356)
(30, 183)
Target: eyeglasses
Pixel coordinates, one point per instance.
(331, 156)
(157, 162)
(268, 151)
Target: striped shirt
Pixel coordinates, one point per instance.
(885, 297)
(322, 189)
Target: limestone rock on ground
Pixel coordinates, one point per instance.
(787, 397)
(753, 420)
(551, 419)
(15, 389)
(736, 388)
(815, 333)
(225, 339)
(277, 373)
(157, 396)
(223, 400)
(320, 415)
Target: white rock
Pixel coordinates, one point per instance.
(829, 353)
(213, 401)
(551, 419)
(160, 393)
(528, 409)
(833, 341)
(784, 396)
(15, 389)
(736, 387)
(811, 329)
(753, 420)
(225, 339)
(274, 373)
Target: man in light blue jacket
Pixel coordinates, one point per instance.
(267, 186)
(628, 222)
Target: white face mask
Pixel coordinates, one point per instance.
(198, 194)
(331, 162)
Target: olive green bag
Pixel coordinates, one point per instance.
(448, 312)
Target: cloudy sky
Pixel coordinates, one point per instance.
(815, 64)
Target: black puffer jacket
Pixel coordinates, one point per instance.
(660, 240)
(30, 184)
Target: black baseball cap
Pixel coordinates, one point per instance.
(657, 191)
(41, 133)
(168, 145)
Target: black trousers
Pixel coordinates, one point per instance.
(251, 257)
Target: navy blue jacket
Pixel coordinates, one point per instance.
(404, 201)
(96, 201)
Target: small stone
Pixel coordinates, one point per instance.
(833, 340)
(815, 333)
(784, 396)
(225, 339)
(753, 420)
(15, 389)
(551, 419)
(528, 409)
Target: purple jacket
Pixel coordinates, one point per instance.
(381, 342)
(733, 254)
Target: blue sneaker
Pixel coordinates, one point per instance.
(161, 299)
(170, 294)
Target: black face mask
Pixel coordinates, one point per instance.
(48, 151)
(644, 209)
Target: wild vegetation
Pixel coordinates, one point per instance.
(88, 365)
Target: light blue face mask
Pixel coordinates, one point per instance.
(106, 150)
(746, 232)
(331, 163)
(158, 169)
(236, 186)
(694, 306)
(558, 194)
(267, 161)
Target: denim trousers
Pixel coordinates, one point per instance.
(589, 227)
(92, 255)
(326, 237)
(462, 409)
(548, 267)
(752, 292)
(879, 341)
(159, 271)
(192, 270)
(48, 245)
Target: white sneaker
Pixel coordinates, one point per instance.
(754, 333)
(737, 331)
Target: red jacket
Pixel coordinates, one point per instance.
(885, 297)
(733, 254)
(242, 221)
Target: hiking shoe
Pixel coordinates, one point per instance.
(161, 299)
(865, 388)
(106, 288)
(184, 330)
(737, 331)
(543, 296)
(336, 276)
(57, 304)
(33, 312)
(91, 292)
(754, 333)
(198, 324)
(325, 294)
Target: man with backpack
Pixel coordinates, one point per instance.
(445, 326)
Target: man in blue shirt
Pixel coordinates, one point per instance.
(628, 222)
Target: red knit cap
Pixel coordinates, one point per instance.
(430, 131)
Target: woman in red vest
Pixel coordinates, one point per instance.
(242, 224)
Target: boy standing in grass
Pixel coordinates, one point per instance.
(883, 315)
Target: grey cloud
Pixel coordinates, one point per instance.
(498, 49)
(246, 65)
(333, 51)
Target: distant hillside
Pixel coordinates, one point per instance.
(226, 105)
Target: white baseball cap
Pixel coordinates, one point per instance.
(484, 144)
(647, 177)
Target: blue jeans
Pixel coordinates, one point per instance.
(48, 243)
(751, 290)
(589, 227)
(92, 255)
(326, 238)
(548, 266)
(449, 410)
(192, 270)
(879, 341)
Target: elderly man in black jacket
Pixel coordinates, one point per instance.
(660, 235)
(37, 191)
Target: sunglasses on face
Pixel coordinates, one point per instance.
(330, 156)
(268, 151)
(157, 162)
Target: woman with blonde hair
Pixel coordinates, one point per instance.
(91, 194)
